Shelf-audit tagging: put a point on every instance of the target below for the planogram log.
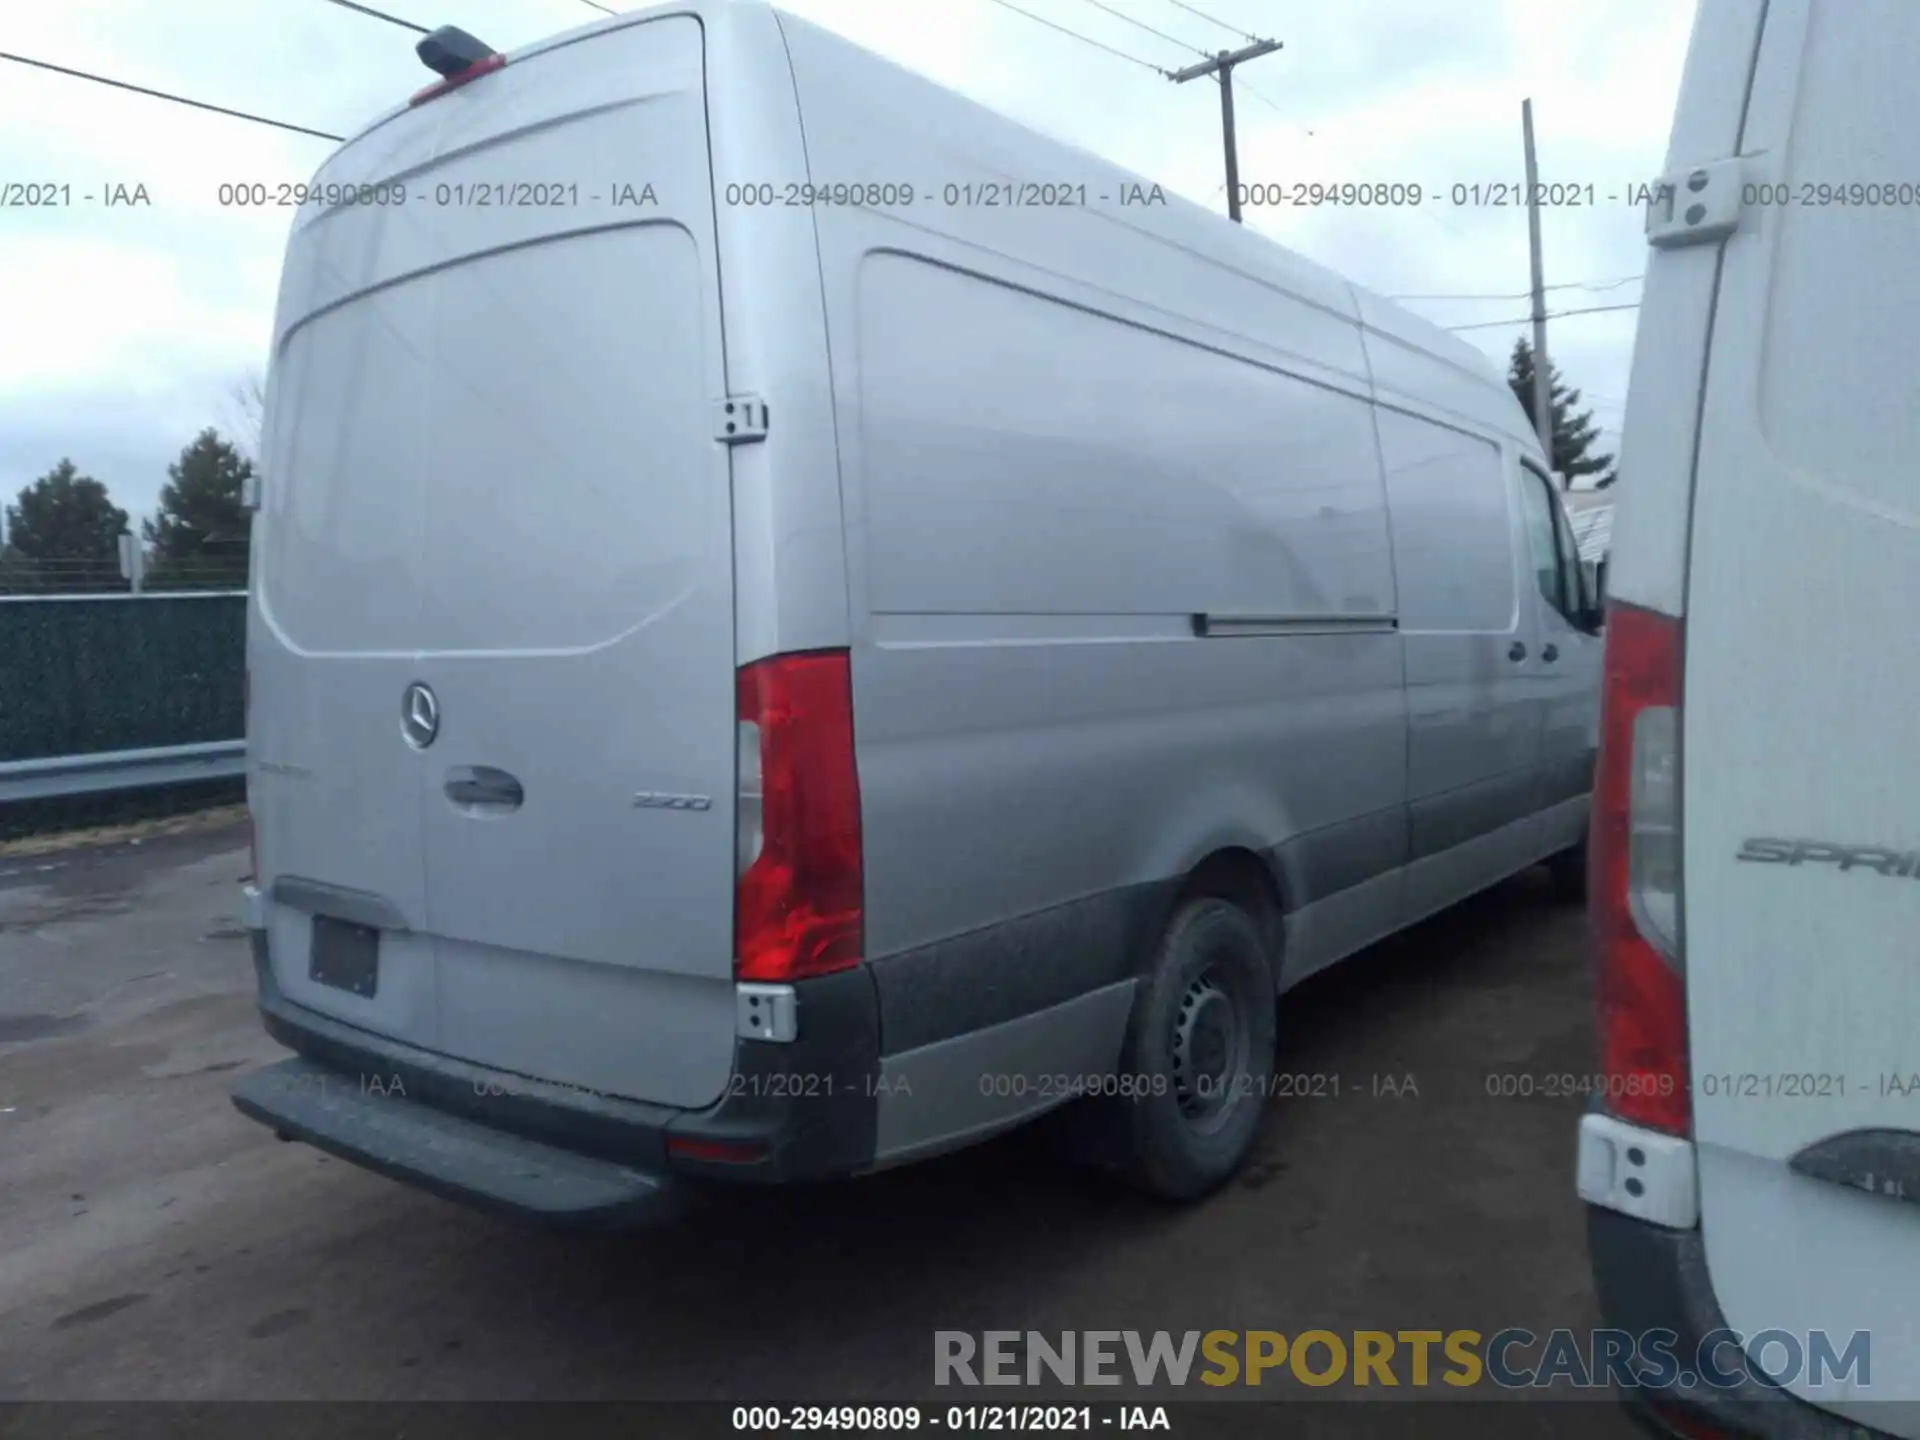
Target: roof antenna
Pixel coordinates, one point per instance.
(451, 51)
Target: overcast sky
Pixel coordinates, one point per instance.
(124, 329)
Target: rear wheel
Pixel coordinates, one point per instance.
(1199, 1053)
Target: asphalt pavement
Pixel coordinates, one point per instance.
(155, 1245)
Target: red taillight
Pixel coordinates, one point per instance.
(715, 1152)
(1639, 978)
(454, 82)
(797, 910)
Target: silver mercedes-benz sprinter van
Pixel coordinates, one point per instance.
(798, 624)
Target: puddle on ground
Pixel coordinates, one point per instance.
(87, 1314)
(57, 909)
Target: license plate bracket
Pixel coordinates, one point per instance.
(345, 956)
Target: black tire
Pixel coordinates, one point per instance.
(1568, 871)
(1200, 1045)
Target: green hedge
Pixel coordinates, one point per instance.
(120, 673)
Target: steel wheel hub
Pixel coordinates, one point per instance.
(1209, 1049)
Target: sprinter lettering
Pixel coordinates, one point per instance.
(1877, 859)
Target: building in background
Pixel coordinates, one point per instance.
(1590, 513)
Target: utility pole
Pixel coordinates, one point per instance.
(1542, 382)
(1222, 65)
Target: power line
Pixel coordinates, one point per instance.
(1551, 315)
(381, 15)
(1146, 64)
(1142, 25)
(1235, 29)
(1593, 286)
(163, 95)
(1596, 286)
(1261, 97)
(1433, 216)
(1220, 68)
(601, 8)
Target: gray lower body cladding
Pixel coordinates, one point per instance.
(893, 1060)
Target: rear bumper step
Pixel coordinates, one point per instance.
(451, 1156)
(806, 1109)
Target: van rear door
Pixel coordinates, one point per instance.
(1801, 793)
(508, 378)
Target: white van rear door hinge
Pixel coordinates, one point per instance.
(1694, 206)
(739, 419)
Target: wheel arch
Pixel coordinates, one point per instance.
(1243, 877)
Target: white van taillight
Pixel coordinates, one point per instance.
(797, 909)
(1634, 889)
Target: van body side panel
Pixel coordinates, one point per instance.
(1449, 444)
(1473, 741)
(1048, 476)
(1426, 371)
(1800, 686)
(1050, 573)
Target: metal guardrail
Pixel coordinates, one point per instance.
(62, 775)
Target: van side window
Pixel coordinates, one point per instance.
(1556, 561)
(1452, 535)
(1573, 580)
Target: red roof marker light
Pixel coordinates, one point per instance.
(457, 57)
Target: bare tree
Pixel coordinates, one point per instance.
(247, 404)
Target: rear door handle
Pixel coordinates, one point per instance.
(1516, 652)
(484, 785)
(1550, 654)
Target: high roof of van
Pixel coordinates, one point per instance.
(1409, 357)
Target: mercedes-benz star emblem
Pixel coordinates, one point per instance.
(419, 716)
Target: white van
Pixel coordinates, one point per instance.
(1753, 1164)
(798, 624)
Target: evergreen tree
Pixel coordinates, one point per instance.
(63, 533)
(1574, 432)
(199, 538)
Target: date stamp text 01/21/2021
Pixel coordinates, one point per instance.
(1281, 1085)
(1286, 1085)
(555, 192)
(993, 194)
